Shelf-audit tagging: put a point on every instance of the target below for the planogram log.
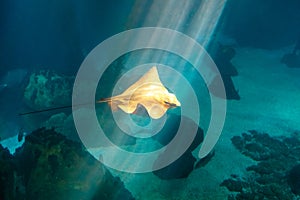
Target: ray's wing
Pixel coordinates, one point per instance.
(128, 105)
(121, 102)
(155, 111)
(150, 77)
(128, 108)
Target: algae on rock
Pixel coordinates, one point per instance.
(48, 89)
(53, 167)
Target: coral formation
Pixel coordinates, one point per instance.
(62, 124)
(56, 121)
(48, 89)
(268, 178)
(294, 179)
(49, 166)
(7, 169)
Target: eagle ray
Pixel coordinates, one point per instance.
(149, 92)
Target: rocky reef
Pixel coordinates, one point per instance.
(63, 124)
(48, 89)
(49, 166)
(294, 179)
(276, 174)
(222, 58)
(184, 165)
(7, 172)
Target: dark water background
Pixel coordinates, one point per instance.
(56, 34)
(59, 34)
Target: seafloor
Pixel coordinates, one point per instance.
(269, 103)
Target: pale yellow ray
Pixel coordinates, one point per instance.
(149, 92)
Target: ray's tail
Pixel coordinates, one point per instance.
(113, 103)
(104, 100)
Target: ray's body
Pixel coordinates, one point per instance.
(149, 92)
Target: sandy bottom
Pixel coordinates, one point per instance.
(270, 102)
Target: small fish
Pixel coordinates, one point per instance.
(149, 92)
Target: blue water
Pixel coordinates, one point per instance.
(44, 43)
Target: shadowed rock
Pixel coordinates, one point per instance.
(184, 165)
(294, 179)
(48, 166)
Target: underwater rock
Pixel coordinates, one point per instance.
(203, 161)
(184, 165)
(268, 178)
(222, 58)
(294, 179)
(259, 146)
(231, 92)
(180, 168)
(62, 124)
(7, 173)
(54, 167)
(55, 122)
(47, 89)
(69, 129)
(233, 185)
